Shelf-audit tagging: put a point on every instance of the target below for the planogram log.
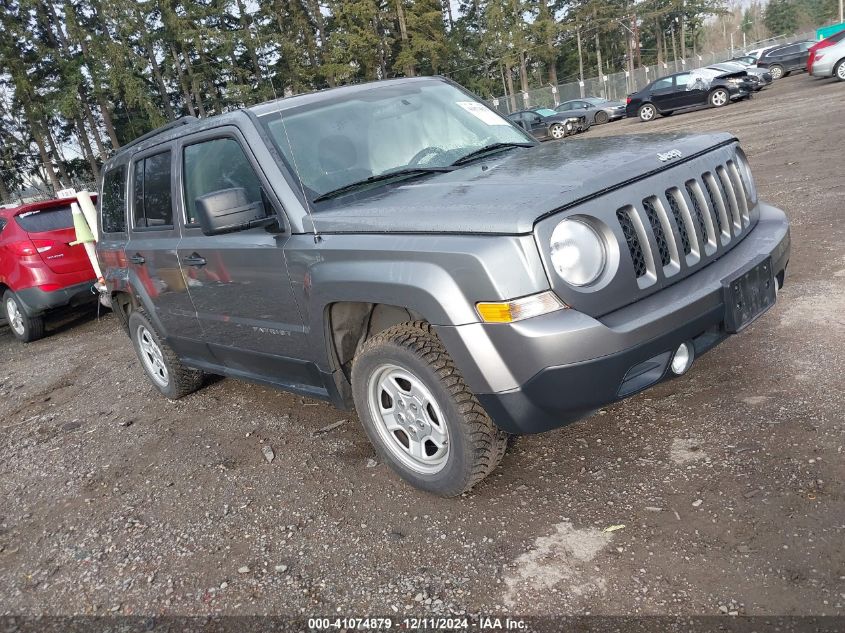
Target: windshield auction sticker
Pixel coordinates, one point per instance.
(482, 112)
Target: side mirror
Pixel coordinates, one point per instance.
(230, 210)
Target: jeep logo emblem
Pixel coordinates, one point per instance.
(667, 156)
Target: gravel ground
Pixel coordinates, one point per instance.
(728, 481)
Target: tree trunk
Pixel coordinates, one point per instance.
(38, 136)
(55, 152)
(658, 34)
(403, 30)
(450, 17)
(245, 20)
(523, 73)
(509, 80)
(598, 63)
(186, 92)
(162, 87)
(195, 88)
(86, 147)
(92, 123)
(580, 60)
(4, 193)
(683, 31)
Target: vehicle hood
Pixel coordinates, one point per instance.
(509, 192)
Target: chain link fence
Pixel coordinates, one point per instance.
(37, 193)
(617, 86)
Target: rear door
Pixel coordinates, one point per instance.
(51, 231)
(151, 251)
(239, 281)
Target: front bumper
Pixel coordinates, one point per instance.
(545, 372)
(37, 301)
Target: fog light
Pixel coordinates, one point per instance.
(683, 358)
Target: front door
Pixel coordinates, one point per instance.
(151, 251)
(239, 281)
(661, 94)
(690, 90)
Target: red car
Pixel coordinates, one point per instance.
(39, 269)
(830, 41)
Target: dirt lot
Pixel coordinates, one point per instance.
(729, 481)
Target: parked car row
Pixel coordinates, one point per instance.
(568, 118)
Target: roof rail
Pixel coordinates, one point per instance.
(185, 120)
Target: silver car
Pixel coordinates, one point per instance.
(830, 61)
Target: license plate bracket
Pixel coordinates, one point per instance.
(748, 294)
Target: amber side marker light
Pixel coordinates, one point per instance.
(519, 309)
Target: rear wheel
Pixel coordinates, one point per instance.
(419, 414)
(601, 117)
(25, 328)
(647, 112)
(719, 97)
(173, 379)
(777, 71)
(839, 71)
(557, 131)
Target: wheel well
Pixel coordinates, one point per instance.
(351, 323)
(123, 304)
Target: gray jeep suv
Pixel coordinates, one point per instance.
(402, 248)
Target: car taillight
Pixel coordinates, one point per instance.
(628, 100)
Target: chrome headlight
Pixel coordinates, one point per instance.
(578, 252)
(747, 177)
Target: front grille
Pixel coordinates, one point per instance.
(657, 228)
(634, 247)
(689, 224)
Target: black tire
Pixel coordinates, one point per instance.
(475, 445)
(601, 117)
(777, 71)
(719, 98)
(647, 112)
(25, 328)
(839, 70)
(180, 380)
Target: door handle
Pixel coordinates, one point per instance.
(137, 258)
(194, 260)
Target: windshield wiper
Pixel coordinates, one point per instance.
(406, 173)
(487, 149)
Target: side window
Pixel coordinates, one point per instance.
(683, 81)
(153, 206)
(217, 165)
(662, 84)
(113, 201)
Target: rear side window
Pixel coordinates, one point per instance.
(153, 205)
(113, 201)
(2, 224)
(44, 220)
(214, 166)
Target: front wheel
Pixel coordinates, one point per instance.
(646, 112)
(557, 131)
(419, 414)
(601, 117)
(839, 71)
(25, 328)
(719, 97)
(161, 364)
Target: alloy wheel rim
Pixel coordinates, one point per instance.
(558, 131)
(15, 317)
(408, 419)
(719, 98)
(776, 73)
(647, 113)
(840, 72)
(152, 357)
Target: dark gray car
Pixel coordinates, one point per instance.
(598, 110)
(401, 248)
